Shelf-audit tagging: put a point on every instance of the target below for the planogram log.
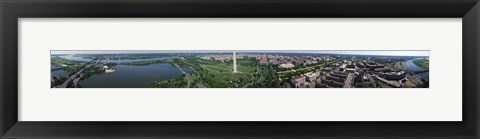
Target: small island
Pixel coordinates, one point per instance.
(422, 63)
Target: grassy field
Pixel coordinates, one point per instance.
(219, 75)
(59, 61)
(216, 74)
(246, 69)
(424, 63)
(72, 66)
(218, 67)
(177, 82)
(267, 82)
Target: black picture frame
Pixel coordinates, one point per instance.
(11, 10)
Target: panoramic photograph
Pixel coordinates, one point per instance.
(239, 69)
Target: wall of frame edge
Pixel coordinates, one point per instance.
(471, 53)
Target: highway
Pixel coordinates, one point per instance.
(195, 71)
(72, 78)
(272, 72)
(186, 75)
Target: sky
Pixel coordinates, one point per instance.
(369, 52)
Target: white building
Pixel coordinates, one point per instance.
(312, 76)
(234, 63)
(107, 69)
(288, 65)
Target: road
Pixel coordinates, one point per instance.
(200, 85)
(186, 76)
(349, 81)
(64, 84)
(259, 80)
(195, 71)
(273, 73)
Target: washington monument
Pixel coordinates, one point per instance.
(234, 63)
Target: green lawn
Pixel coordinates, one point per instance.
(59, 61)
(287, 75)
(216, 74)
(246, 69)
(216, 68)
(424, 63)
(219, 75)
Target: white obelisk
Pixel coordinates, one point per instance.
(234, 62)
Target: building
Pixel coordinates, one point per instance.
(298, 82)
(350, 70)
(288, 65)
(342, 67)
(310, 84)
(383, 70)
(327, 69)
(263, 61)
(393, 75)
(330, 83)
(312, 76)
(108, 70)
(105, 67)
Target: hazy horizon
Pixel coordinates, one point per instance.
(340, 52)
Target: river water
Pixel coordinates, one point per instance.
(58, 73)
(84, 59)
(128, 76)
(412, 67)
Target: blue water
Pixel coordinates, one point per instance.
(136, 60)
(412, 67)
(127, 76)
(84, 59)
(59, 73)
(75, 58)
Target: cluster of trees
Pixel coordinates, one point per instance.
(286, 76)
(425, 83)
(57, 80)
(73, 69)
(265, 84)
(59, 61)
(422, 63)
(144, 63)
(70, 84)
(72, 66)
(227, 80)
(388, 61)
(177, 82)
(247, 61)
(316, 66)
(91, 70)
(138, 56)
(268, 81)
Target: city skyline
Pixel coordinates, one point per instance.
(339, 52)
